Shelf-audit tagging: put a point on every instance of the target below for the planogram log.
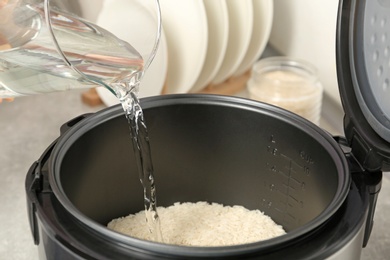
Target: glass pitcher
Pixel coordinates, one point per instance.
(44, 49)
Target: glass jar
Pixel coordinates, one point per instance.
(288, 83)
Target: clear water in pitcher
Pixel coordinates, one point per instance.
(31, 64)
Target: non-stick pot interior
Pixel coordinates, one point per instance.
(225, 152)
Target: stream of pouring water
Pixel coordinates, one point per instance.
(127, 94)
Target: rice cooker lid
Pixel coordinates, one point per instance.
(363, 70)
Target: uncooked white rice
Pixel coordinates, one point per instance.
(202, 224)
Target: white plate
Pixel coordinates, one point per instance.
(185, 25)
(114, 17)
(262, 24)
(90, 9)
(240, 32)
(218, 33)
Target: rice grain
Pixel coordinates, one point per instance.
(202, 224)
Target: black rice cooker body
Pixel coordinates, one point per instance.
(212, 148)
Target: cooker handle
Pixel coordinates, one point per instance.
(371, 183)
(65, 127)
(35, 184)
(31, 181)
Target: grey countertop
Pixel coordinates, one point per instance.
(27, 127)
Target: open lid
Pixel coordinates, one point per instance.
(363, 69)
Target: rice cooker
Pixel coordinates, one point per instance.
(321, 189)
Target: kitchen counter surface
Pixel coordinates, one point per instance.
(27, 127)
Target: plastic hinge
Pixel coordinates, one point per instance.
(367, 155)
(353, 163)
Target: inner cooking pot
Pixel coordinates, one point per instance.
(204, 148)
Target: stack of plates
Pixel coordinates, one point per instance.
(203, 42)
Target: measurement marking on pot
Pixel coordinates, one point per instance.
(280, 210)
(272, 150)
(292, 169)
(272, 168)
(301, 168)
(297, 201)
(291, 216)
(306, 157)
(290, 179)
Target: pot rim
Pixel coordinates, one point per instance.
(326, 140)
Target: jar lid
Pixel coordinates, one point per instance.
(363, 70)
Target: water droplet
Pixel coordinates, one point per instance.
(387, 51)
